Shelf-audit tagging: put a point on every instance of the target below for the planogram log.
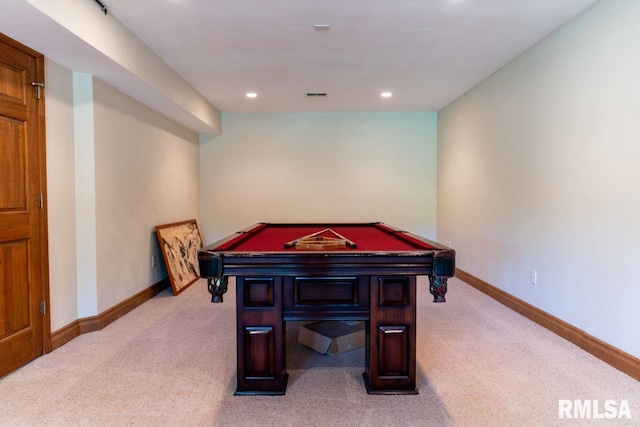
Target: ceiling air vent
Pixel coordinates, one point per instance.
(316, 94)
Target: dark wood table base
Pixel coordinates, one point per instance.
(386, 303)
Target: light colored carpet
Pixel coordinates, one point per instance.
(172, 362)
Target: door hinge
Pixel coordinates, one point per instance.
(41, 200)
(38, 87)
(43, 307)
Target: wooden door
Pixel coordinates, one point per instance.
(23, 249)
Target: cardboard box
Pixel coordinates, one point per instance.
(333, 337)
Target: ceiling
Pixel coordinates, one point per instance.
(426, 52)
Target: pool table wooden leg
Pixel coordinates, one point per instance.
(391, 340)
(260, 336)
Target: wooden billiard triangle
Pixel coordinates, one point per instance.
(316, 242)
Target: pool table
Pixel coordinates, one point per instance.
(372, 280)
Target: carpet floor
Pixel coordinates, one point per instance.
(171, 362)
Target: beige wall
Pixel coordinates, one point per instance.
(319, 167)
(61, 195)
(146, 173)
(538, 170)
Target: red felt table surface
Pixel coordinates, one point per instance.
(367, 238)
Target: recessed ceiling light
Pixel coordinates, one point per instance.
(386, 94)
(322, 27)
(251, 95)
